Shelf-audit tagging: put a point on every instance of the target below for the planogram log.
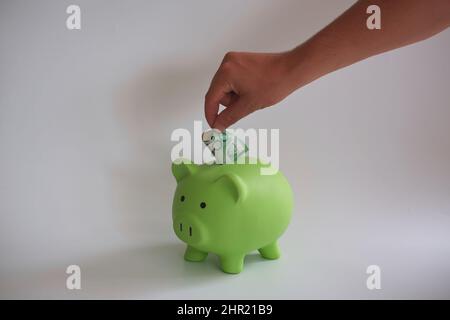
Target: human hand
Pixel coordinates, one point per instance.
(246, 82)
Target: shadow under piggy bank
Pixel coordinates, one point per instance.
(150, 272)
(146, 272)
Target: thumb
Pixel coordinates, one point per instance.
(238, 110)
(218, 91)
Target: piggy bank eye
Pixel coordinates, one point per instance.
(182, 198)
(202, 205)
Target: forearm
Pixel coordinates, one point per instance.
(347, 39)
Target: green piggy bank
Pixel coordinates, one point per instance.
(229, 210)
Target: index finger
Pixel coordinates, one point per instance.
(217, 91)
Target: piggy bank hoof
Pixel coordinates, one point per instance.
(194, 255)
(232, 264)
(270, 252)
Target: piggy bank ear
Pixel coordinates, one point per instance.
(182, 168)
(235, 184)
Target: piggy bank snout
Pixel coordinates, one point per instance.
(190, 230)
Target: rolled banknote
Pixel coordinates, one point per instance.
(225, 147)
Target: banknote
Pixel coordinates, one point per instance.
(225, 147)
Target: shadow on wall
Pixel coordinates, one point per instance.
(169, 94)
(148, 108)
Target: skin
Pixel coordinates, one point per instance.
(246, 81)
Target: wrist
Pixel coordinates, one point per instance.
(300, 66)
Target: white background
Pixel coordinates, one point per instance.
(85, 124)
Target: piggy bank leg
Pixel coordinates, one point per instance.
(232, 263)
(194, 255)
(271, 251)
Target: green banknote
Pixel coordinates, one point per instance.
(225, 147)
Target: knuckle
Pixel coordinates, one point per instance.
(227, 66)
(229, 56)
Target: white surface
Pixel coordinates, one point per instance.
(85, 123)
